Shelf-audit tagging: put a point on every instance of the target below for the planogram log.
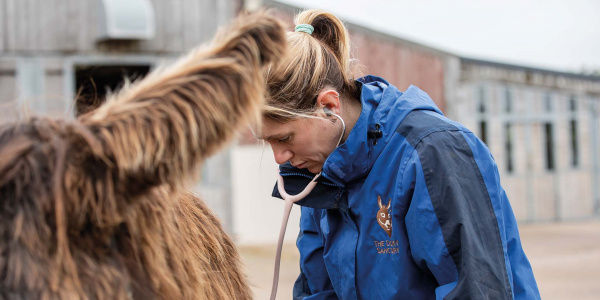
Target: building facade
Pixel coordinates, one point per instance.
(542, 128)
(48, 46)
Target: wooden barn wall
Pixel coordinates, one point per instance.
(72, 25)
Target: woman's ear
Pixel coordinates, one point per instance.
(329, 101)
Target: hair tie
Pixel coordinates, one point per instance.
(306, 28)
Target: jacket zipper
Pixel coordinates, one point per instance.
(335, 183)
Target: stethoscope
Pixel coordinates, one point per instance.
(289, 201)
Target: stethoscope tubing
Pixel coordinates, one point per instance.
(289, 203)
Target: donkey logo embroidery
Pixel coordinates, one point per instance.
(383, 216)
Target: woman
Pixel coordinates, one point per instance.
(409, 203)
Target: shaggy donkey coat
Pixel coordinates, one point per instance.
(95, 208)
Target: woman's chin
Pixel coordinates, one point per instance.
(314, 169)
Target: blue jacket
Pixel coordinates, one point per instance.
(409, 207)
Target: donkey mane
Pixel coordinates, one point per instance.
(97, 207)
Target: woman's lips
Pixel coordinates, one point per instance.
(301, 166)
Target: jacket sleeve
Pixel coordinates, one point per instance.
(313, 281)
(459, 223)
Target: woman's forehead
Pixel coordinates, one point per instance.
(274, 129)
(270, 129)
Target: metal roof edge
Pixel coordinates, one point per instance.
(526, 68)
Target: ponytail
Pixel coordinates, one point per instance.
(314, 60)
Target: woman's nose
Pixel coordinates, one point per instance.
(281, 155)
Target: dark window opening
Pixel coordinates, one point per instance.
(573, 104)
(508, 100)
(481, 99)
(574, 146)
(549, 146)
(483, 131)
(508, 147)
(93, 82)
(548, 103)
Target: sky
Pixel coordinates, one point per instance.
(561, 35)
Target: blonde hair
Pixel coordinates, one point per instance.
(313, 62)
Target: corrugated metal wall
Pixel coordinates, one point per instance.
(41, 41)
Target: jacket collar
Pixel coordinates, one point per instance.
(383, 109)
(325, 195)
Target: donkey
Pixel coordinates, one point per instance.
(97, 208)
(383, 216)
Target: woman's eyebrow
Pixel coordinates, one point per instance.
(274, 136)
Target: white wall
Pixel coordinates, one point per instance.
(257, 215)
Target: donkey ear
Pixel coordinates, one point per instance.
(160, 130)
(379, 201)
(389, 203)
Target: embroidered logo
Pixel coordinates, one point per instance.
(383, 216)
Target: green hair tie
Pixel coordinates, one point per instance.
(306, 28)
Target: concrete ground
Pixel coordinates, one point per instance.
(565, 258)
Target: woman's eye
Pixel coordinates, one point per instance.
(285, 139)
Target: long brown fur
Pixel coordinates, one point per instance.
(96, 208)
